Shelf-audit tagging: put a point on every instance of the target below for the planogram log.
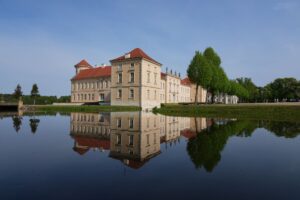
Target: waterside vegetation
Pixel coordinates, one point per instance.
(274, 111)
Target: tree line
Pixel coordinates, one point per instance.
(34, 97)
(205, 70)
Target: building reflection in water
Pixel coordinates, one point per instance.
(131, 137)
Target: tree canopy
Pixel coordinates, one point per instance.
(199, 72)
(35, 91)
(18, 92)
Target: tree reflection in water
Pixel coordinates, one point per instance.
(17, 122)
(205, 149)
(34, 124)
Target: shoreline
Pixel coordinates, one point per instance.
(265, 111)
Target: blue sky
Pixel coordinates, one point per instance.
(40, 41)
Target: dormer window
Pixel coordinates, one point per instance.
(127, 55)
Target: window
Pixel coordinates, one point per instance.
(119, 94)
(131, 93)
(154, 94)
(101, 97)
(148, 141)
(148, 77)
(89, 96)
(120, 78)
(106, 84)
(84, 96)
(131, 140)
(131, 123)
(148, 94)
(148, 122)
(119, 123)
(120, 67)
(131, 77)
(119, 138)
(155, 75)
(93, 97)
(132, 66)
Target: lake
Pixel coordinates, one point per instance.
(139, 155)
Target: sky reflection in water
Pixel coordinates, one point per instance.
(142, 155)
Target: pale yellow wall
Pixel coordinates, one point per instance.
(141, 86)
(162, 96)
(126, 85)
(89, 90)
(201, 94)
(184, 93)
(153, 85)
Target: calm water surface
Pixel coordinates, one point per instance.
(145, 156)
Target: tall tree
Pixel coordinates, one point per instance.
(219, 82)
(199, 72)
(18, 92)
(34, 92)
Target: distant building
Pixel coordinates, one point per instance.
(134, 79)
(91, 84)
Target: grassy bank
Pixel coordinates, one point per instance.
(51, 108)
(283, 112)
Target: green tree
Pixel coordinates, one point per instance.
(284, 88)
(219, 82)
(237, 89)
(199, 72)
(250, 87)
(18, 92)
(34, 92)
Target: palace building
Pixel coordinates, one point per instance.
(133, 79)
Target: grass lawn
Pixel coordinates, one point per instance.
(280, 112)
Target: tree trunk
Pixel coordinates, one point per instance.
(213, 97)
(196, 96)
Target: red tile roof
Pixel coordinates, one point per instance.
(186, 81)
(136, 53)
(93, 73)
(80, 151)
(83, 63)
(187, 133)
(92, 142)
